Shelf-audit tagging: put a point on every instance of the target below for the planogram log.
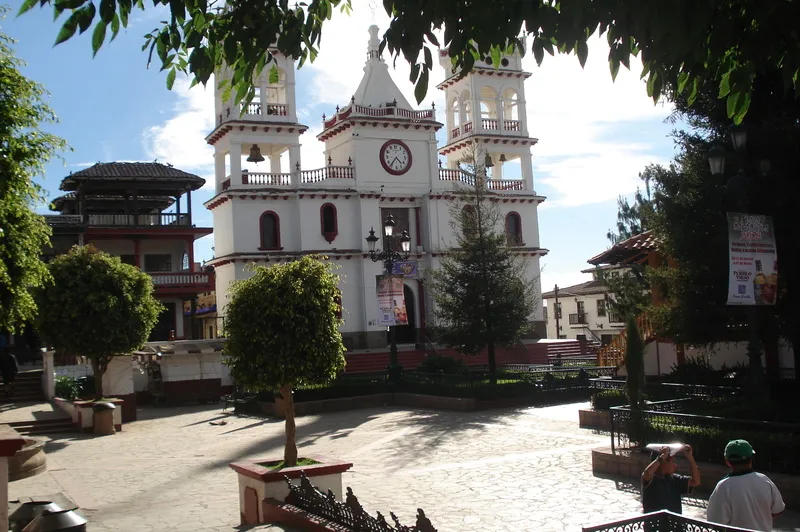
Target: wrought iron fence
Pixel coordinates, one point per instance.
(663, 521)
(671, 390)
(775, 443)
(350, 514)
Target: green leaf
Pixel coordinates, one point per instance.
(683, 78)
(428, 58)
(274, 75)
(613, 66)
(421, 88)
(27, 5)
(538, 51)
(107, 10)
(582, 49)
(725, 85)
(114, 27)
(85, 18)
(171, 78)
(68, 29)
(496, 54)
(98, 36)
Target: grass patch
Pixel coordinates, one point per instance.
(275, 466)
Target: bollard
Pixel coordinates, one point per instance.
(103, 418)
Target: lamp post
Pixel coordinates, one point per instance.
(389, 257)
(740, 188)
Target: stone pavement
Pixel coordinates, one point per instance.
(501, 470)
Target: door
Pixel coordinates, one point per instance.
(407, 334)
(606, 338)
(165, 323)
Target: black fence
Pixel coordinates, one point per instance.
(663, 521)
(669, 390)
(775, 444)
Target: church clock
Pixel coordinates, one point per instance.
(395, 157)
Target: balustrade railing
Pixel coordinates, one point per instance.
(497, 185)
(264, 178)
(285, 180)
(467, 127)
(141, 220)
(455, 132)
(489, 123)
(329, 172)
(505, 184)
(169, 279)
(63, 219)
(390, 111)
(511, 125)
(275, 109)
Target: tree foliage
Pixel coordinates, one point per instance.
(483, 296)
(96, 306)
(24, 152)
(727, 42)
(282, 330)
(634, 363)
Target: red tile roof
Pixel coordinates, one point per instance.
(628, 251)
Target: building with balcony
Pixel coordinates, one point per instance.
(580, 312)
(382, 159)
(142, 213)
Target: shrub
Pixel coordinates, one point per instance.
(67, 388)
(435, 363)
(605, 399)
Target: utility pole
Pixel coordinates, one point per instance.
(555, 313)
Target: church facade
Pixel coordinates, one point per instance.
(382, 159)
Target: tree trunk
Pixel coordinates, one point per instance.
(290, 451)
(98, 370)
(492, 362)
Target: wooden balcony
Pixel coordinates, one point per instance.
(180, 282)
(119, 220)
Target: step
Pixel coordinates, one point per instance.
(36, 431)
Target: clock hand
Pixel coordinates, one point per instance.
(395, 160)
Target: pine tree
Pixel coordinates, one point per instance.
(483, 299)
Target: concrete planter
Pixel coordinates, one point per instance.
(257, 483)
(594, 419)
(28, 461)
(83, 416)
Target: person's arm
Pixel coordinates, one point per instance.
(718, 510)
(778, 506)
(652, 467)
(695, 480)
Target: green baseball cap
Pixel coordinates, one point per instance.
(739, 450)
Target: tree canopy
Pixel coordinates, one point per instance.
(96, 306)
(484, 299)
(24, 152)
(727, 42)
(282, 329)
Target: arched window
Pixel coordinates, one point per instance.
(513, 229)
(329, 222)
(270, 227)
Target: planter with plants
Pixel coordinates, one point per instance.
(282, 326)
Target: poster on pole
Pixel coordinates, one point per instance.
(391, 302)
(753, 260)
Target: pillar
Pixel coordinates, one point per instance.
(219, 171)
(48, 375)
(522, 114)
(236, 164)
(189, 207)
(499, 112)
(10, 443)
(275, 164)
(295, 164)
(526, 164)
(190, 252)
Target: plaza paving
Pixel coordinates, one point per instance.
(500, 470)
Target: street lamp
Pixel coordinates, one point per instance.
(389, 257)
(739, 189)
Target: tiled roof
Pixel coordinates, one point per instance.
(132, 171)
(628, 251)
(584, 289)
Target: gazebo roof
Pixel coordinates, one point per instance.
(146, 176)
(629, 251)
(161, 202)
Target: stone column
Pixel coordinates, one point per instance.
(10, 443)
(219, 171)
(526, 164)
(48, 375)
(275, 164)
(236, 165)
(294, 164)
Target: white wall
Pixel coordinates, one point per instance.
(599, 325)
(175, 248)
(117, 380)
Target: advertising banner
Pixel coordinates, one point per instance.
(406, 268)
(391, 303)
(753, 260)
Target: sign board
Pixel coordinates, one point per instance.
(391, 302)
(753, 260)
(406, 268)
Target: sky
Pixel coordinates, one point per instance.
(595, 135)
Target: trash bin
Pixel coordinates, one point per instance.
(27, 512)
(58, 521)
(103, 418)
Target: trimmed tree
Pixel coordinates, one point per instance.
(282, 326)
(635, 382)
(24, 152)
(482, 298)
(96, 306)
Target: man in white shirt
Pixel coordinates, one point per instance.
(744, 498)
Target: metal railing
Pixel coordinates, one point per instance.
(577, 319)
(662, 521)
(121, 220)
(178, 279)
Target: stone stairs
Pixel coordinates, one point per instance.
(27, 410)
(27, 388)
(40, 427)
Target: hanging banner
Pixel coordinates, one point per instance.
(391, 303)
(406, 268)
(753, 260)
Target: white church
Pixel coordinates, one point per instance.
(382, 159)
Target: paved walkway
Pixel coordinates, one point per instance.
(502, 470)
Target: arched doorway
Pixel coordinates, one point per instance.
(407, 334)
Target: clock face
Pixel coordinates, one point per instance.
(395, 157)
